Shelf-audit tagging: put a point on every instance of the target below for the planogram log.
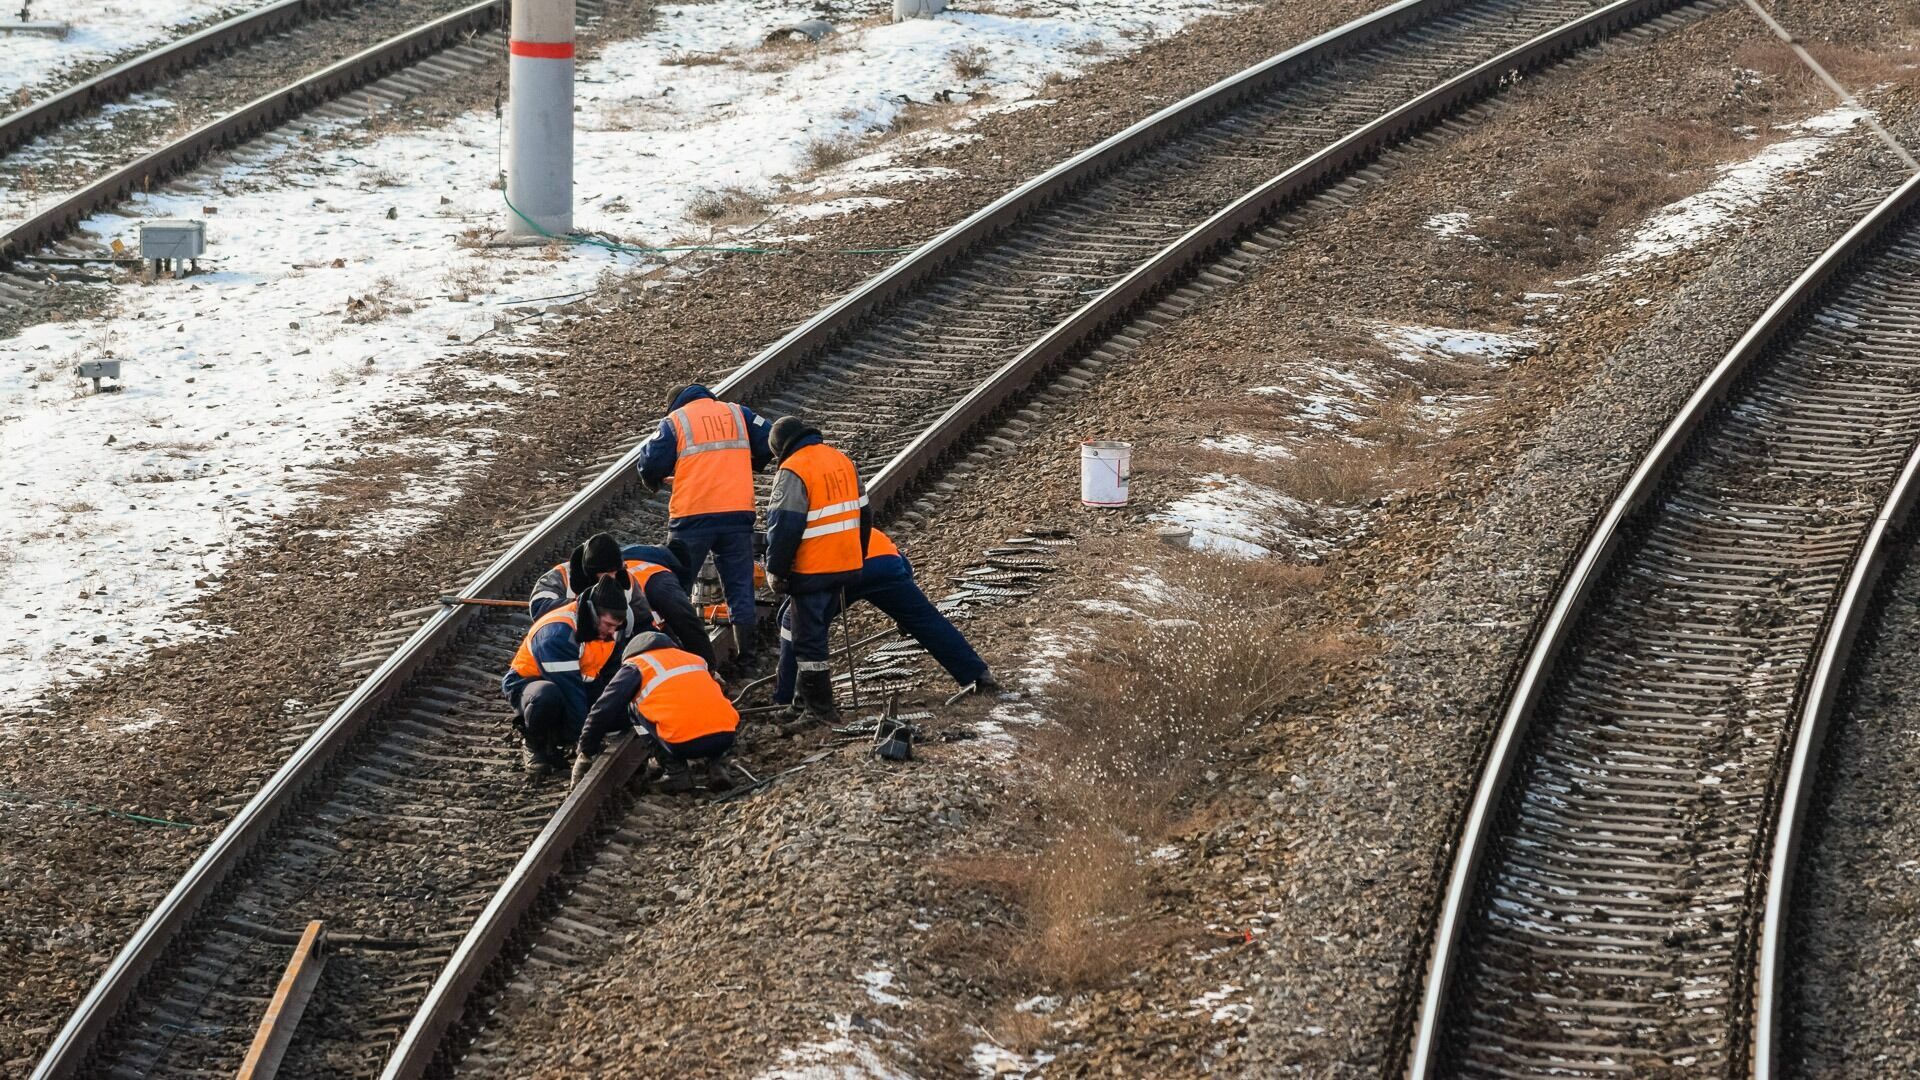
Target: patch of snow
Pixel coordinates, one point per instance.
(1219, 1004)
(145, 720)
(1418, 343)
(1107, 607)
(1041, 1004)
(999, 1063)
(852, 1052)
(877, 981)
(1166, 853)
(1740, 187)
(338, 286)
(1233, 515)
(1450, 224)
(1243, 444)
(101, 28)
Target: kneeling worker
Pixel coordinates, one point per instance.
(817, 526)
(887, 583)
(672, 696)
(551, 682)
(650, 576)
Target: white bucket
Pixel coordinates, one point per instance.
(1105, 468)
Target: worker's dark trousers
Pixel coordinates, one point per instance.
(543, 713)
(900, 598)
(805, 619)
(732, 547)
(704, 748)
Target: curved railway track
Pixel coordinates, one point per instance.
(1613, 877)
(399, 817)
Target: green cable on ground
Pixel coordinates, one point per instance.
(633, 249)
(89, 808)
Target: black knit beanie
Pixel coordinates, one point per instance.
(604, 597)
(673, 399)
(786, 431)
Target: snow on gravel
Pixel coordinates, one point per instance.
(1740, 187)
(337, 284)
(101, 28)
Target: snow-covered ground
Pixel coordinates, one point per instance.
(101, 28)
(342, 274)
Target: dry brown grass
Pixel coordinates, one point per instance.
(1140, 718)
(971, 62)
(728, 206)
(693, 59)
(826, 151)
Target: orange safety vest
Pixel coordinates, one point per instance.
(880, 545)
(593, 654)
(638, 571)
(830, 544)
(679, 697)
(714, 471)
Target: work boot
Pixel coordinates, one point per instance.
(719, 777)
(538, 761)
(816, 693)
(987, 684)
(674, 777)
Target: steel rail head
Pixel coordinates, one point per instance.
(257, 115)
(1578, 587)
(1169, 265)
(446, 1001)
(143, 70)
(1821, 693)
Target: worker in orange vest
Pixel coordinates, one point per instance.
(649, 574)
(817, 528)
(556, 673)
(711, 449)
(886, 582)
(672, 697)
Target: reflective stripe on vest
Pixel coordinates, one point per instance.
(593, 654)
(714, 470)
(680, 709)
(830, 544)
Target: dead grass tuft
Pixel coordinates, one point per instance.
(826, 151)
(693, 59)
(728, 206)
(971, 62)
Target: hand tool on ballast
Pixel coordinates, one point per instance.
(477, 601)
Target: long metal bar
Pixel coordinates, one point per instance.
(260, 114)
(1816, 714)
(1578, 588)
(289, 1001)
(142, 71)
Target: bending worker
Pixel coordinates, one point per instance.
(671, 695)
(552, 679)
(711, 449)
(648, 574)
(817, 526)
(886, 581)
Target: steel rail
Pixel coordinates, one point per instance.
(1578, 587)
(1816, 713)
(117, 984)
(144, 70)
(418, 1049)
(263, 113)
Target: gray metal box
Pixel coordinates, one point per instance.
(97, 369)
(173, 239)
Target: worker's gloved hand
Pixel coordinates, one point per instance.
(581, 763)
(777, 583)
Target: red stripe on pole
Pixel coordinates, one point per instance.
(543, 50)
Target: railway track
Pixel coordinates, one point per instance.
(1618, 902)
(400, 816)
(93, 146)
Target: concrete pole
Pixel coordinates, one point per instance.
(540, 118)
